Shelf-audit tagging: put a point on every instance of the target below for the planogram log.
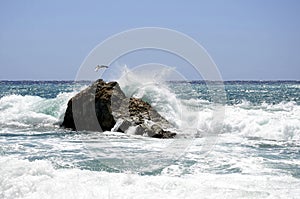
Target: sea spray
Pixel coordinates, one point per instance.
(152, 87)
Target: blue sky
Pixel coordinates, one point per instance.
(254, 39)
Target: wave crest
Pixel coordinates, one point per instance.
(28, 111)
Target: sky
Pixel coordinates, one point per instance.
(247, 39)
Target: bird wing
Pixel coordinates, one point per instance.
(97, 68)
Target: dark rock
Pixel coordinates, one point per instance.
(122, 125)
(90, 109)
(98, 107)
(141, 130)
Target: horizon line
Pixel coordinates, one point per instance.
(199, 80)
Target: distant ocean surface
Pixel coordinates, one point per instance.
(256, 154)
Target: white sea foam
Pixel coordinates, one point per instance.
(279, 121)
(152, 88)
(38, 179)
(29, 111)
(269, 121)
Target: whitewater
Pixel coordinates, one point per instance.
(256, 153)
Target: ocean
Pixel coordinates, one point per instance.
(254, 154)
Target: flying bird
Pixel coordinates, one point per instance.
(98, 67)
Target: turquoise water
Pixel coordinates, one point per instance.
(255, 154)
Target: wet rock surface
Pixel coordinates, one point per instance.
(104, 107)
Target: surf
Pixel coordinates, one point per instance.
(189, 115)
(27, 111)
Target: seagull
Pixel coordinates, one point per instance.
(98, 67)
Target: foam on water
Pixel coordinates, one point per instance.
(256, 154)
(279, 121)
(39, 179)
(32, 111)
(270, 121)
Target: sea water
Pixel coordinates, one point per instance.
(255, 154)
